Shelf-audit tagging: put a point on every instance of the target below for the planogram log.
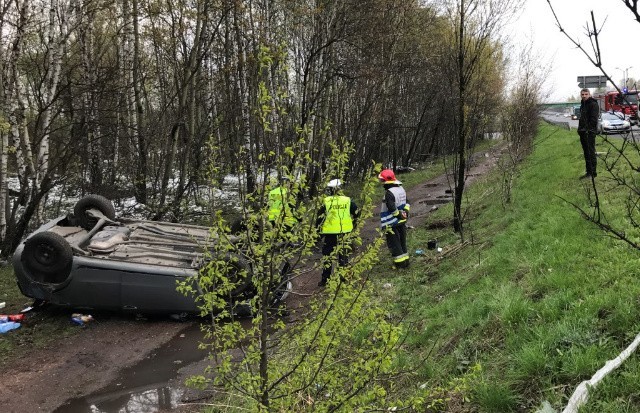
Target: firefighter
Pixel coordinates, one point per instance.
(393, 217)
(336, 218)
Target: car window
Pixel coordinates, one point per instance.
(611, 116)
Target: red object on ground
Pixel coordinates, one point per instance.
(11, 317)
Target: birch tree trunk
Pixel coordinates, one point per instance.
(57, 33)
(13, 106)
(141, 164)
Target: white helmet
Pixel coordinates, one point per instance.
(334, 183)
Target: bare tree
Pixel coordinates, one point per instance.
(520, 117)
(145, 97)
(475, 27)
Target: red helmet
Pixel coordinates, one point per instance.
(387, 175)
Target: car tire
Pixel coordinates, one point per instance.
(238, 266)
(280, 289)
(242, 309)
(92, 201)
(47, 257)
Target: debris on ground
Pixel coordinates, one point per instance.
(8, 326)
(11, 317)
(81, 319)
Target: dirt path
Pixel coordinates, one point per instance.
(86, 362)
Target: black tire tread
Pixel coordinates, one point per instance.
(61, 257)
(89, 202)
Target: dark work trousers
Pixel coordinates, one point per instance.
(397, 243)
(330, 243)
(588, 141)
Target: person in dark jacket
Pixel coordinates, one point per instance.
(337, 217)
(587, 129)
(394, 212)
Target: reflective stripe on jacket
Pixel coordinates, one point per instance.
(337, 215)
(394, 217)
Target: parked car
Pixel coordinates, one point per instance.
(88, 259)
(613, 122)
(576, 113)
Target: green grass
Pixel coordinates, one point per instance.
(37, 330)
(540, 298)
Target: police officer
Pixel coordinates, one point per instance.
(336, 217)
(281, 206)
(393, 217)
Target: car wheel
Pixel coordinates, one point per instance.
(98, 202)
(238, 274)
(48, 257)
(280, 289)
(242, 309)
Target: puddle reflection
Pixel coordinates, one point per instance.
(145, 387)
(147, 401)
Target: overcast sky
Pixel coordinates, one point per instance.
(619, 40)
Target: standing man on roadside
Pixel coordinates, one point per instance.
(587, 129)
(394, 212)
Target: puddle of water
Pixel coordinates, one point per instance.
(145, 387)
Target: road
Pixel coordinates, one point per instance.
(558, 117)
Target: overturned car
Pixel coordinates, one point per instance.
(90, 260)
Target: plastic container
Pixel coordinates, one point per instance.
(432, 244)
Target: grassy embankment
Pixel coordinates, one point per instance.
(40, 327)
(540, 299)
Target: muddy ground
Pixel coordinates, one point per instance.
(80, 365)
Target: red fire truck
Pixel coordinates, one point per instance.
(625, 102)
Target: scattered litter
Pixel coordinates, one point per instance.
(419, 252)
(8, 326)
(546, 408)
(439, 249)
(432, 244)
(3, 304)
(433, 208)
(11, 317)
(81, 319)
(36, 304)
(387, 285)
